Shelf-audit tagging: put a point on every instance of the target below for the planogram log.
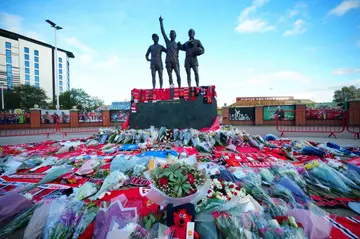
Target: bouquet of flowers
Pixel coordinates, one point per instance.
(228, 226)
(177, 180)
(177, 184)
(220, 191)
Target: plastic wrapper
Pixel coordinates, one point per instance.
(11, 204)
(11, 167)
(113, 181)
(64, 215)
(353, 175)
(329, 178)
(161, 133)
(37, 222)
(122, 163)
(114, 216)
(294, 188)
(160, 198)
(284, 193)
(314, 226)
(266, 175)
(88, 167)
(47, 162)
(54, 174)
(30, 163)
(86, 219)
(205, 226)
(20, 221)
(228, 226)
(307, 150)
(85, 190)
(271, 137)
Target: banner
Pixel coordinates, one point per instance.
(270, 112)
(49, 116)
(119, 115)
(242, 114)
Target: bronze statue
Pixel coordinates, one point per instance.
(156, 62)
(193, 48)
(172, 55)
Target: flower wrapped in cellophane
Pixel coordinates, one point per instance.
(219, 192)
(177, 184)
(63, 217)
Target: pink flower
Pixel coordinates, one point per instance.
(163, 181)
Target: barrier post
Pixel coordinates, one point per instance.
(300, 115)
(259, 115)
(106, 118)
(35, 118)
(74, 118)
(353, 118)
(225, 115)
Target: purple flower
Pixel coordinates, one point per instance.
(67, 218)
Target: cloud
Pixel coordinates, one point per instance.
(297, 29)
(346, 71)
(75, 42)
(248, 24)
(13, 23)
(344, 7)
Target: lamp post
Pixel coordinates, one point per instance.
(2, 95)
(57, 91)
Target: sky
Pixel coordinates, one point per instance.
(305, 49)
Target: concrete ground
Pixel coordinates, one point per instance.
(344, 138)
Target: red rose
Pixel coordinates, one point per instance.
(166, 166)
(179, 167)
(235, 193)
(192, 191)
(237, 188)
(163, 181)
(209, 191)
(231, 186)
(191, 178)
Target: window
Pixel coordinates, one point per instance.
(60, 83)
(36, 65)
(27, 70)
(27, 64)
(36, 59)
(37, 85)
(37, 79)
(8, 45)
(26, 49)
(27, 77)
(60, 71)
(8, 53)
(36, 72)
(8, 60)
(60, 77)
(61, 88)
(60, 65)
(27, 82)
(36, 53)
(60, 59)
(27, 57)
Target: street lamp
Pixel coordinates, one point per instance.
(57, 91)
(2, 95)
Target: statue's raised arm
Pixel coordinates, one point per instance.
(162, 29)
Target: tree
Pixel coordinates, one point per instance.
(25, 97)
(346, 93)
(80, 99)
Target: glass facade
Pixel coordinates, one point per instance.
(9, 75)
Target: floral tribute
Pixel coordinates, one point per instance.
(178, 180)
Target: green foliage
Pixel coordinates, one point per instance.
(80, 99)
(25, 97)
(346, 93)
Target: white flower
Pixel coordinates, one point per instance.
(130, 227)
